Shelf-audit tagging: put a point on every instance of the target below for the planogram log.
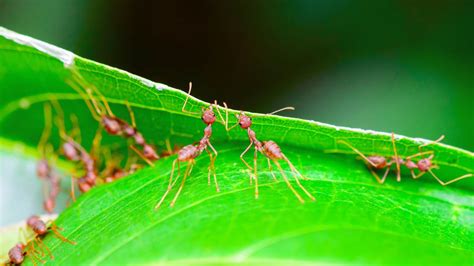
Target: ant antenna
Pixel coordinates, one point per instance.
(47, 129)
(59, 121)
(358, 152)
(432, 142)
(291, 108)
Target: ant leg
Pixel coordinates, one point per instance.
(358, 152)
(168, 146)
(291, 108)
(141, 155)
(97, 140)
(271, 169)
(227, 128)
(170, 184)
(416, 176)
(242, 158)
(385, 175)
(56, 232)
(293, 168)
(376, 176)
(189, 168)
(295, 175)
(420, 154)
(397, 161)
(209, 168)
(95, 111)
(30, 250)
(255, 172)
(288, 182)
(213, 164)
(73, 186)
(132, 115)
(451, 181)
(186, 101)
(45, 247)
(47, 129)
(76, 130)
(431, 142)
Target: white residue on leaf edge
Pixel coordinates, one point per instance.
(63, 55)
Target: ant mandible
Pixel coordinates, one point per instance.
(190, 152)
(270, 150)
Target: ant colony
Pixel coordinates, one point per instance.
(101, 164)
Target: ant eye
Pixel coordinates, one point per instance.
(240, 123)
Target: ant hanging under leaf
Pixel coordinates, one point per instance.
(101, 111)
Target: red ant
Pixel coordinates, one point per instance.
(74, 151)
(270, 149)
(113, 125)
(190, 152)
(424, 165)
(113, 171)
(17, 254)
(40, 228)
(43, 168)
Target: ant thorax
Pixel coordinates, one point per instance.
(410, 164)
(378, 161)
(187, 153)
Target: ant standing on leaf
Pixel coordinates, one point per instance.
(113, 125)
(17, 254)
(192, 151)
(40, 228)
(424, 165)
(270, 150)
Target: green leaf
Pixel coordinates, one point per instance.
(354, 219)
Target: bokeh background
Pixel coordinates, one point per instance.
(403, 66)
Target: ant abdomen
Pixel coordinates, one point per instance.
(272, 150)
(16, 254)
(379, 162)
(187, 153)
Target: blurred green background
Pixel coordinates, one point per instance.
(403, 66)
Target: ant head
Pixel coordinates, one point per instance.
(425, 164)
(32, 220)
(208, 116)
(20, 246)
(244, 120)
